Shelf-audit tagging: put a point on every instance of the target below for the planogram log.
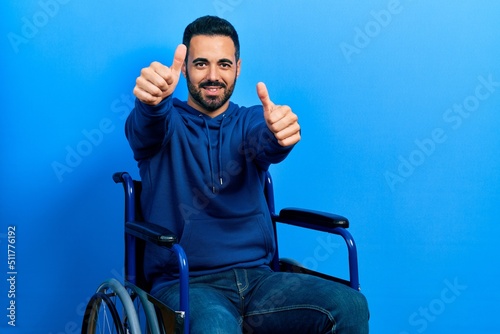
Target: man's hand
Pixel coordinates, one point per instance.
(158, 81)
(280, 119)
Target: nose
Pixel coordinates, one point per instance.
(213, 74)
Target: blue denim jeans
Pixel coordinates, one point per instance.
(261, 301)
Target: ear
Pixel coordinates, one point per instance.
(183, 69)
(238, 67)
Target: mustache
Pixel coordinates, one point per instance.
(210, 83)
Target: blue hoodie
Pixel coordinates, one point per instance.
(203, 179)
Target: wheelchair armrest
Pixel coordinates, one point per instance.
(119, 177)
(156, 234)
(293, 216)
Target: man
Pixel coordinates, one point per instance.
(202, 165)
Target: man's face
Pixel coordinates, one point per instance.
(211, 71)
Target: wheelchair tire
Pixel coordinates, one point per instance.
(96, 321)
(112, 305)
(145, 310)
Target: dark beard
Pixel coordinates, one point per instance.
(212, 103)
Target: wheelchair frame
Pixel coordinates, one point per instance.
(132, 294)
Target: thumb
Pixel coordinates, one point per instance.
(179, 57)
(264, 98)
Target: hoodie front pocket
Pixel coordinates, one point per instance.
(218, 243)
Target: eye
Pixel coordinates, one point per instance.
(200, 64)
(225, 65)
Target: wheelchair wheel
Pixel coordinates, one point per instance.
(145, 310)
(111, 311)
(101, 316)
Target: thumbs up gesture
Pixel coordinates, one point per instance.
(158, 81)
(280, 119)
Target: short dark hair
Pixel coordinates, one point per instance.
(211, 26)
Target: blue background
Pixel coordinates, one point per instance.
(399, 103)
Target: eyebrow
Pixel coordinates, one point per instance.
(223, 60)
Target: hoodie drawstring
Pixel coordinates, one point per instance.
(219, 149)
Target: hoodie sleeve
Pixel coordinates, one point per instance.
(146, 127)
(261, 145)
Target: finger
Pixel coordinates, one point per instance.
(170, 75)
(179, 57)
(288, 132)
(291, 140)
(285, 126)
(264, 97)
(159, 75)
(150, 82)
(145, 96)
(280, 118)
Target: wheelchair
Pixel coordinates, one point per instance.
(127, 308)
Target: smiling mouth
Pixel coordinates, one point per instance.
(211, 90)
